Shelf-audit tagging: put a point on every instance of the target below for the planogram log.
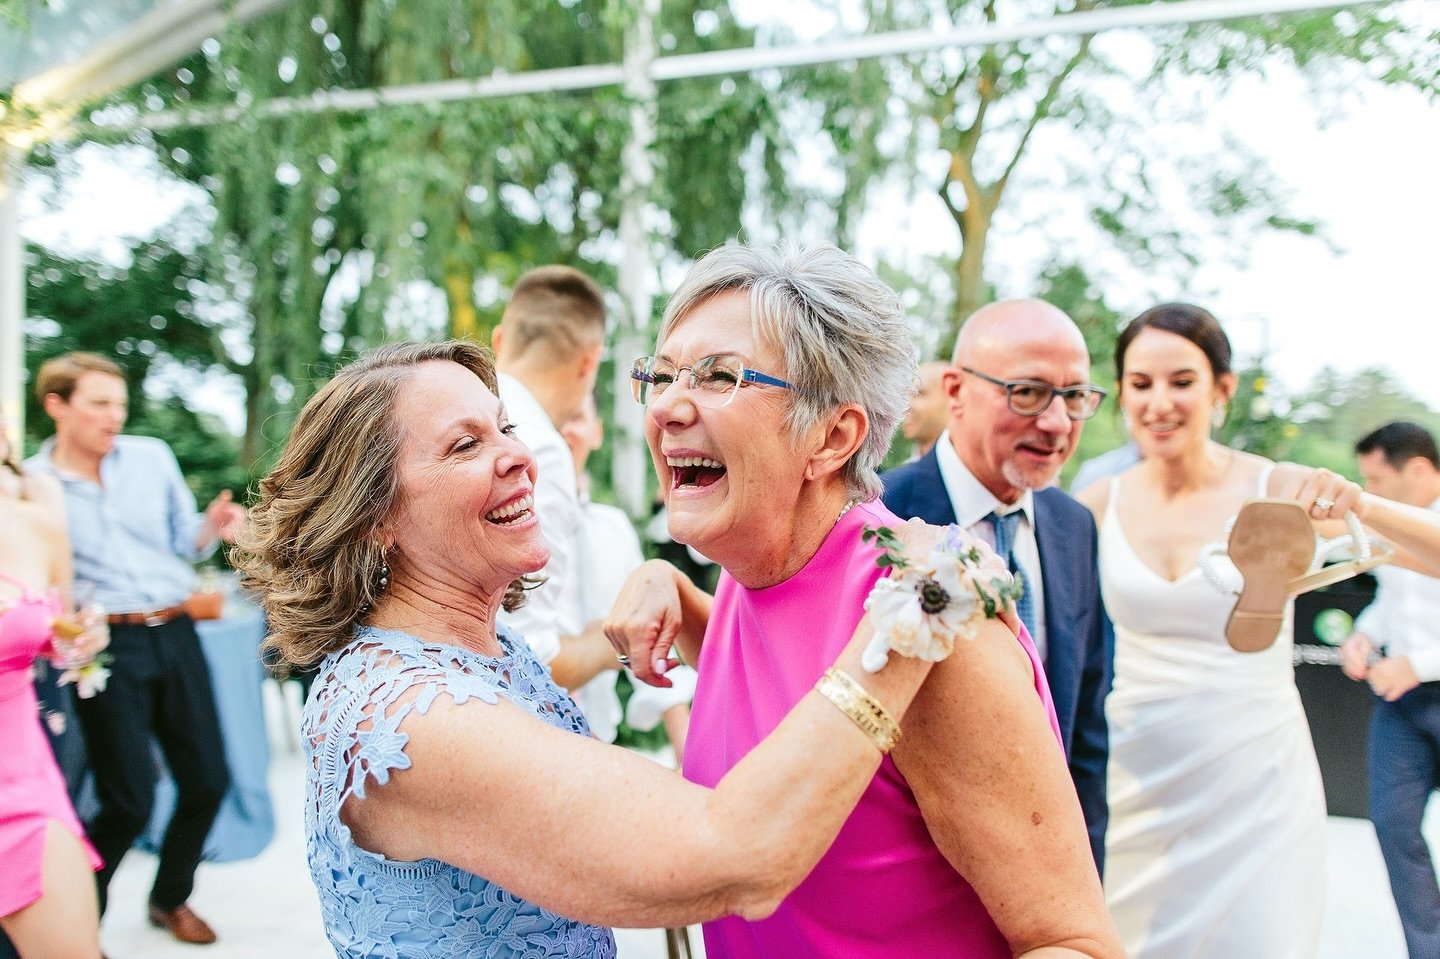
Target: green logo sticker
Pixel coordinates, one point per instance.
(1333, 626)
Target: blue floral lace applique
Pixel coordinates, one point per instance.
(373, 906)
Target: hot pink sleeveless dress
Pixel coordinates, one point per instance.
(883, 890)
(32, 791)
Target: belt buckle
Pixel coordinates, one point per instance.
(155, 619)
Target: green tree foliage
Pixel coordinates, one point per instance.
(1336, 409)
(144, 315)
(337, 230)
(15, 13)
(1256, 420)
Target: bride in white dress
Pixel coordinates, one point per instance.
(1216, 843)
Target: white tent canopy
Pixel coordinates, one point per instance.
(63, 31)
(69, 53)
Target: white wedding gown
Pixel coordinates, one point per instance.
(1216, 843)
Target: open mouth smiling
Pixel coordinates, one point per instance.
(513, 512)
(695, 472)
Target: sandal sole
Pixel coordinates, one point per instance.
(1271, 544)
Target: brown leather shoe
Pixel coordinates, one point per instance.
(183, 924)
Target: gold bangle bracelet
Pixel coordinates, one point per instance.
(863, 709)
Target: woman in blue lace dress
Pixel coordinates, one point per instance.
(456, 805)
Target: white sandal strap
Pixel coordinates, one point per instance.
(1208, 560)
(1356, 539)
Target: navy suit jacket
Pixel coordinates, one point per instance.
(1080, 643)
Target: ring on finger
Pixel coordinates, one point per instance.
(622, 659)
(1323, 504)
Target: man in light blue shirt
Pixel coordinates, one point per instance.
(135, 531)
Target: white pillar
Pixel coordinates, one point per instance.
(12, 300)
(630, 464)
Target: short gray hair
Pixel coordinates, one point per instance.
(840, 327)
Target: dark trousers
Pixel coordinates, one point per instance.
(159, 691)
(1404, 770)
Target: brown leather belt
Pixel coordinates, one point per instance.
(156, 617)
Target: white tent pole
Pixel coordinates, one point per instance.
(630, 466)
(12, 301)
(681, 66)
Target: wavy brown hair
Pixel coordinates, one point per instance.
(311, 549)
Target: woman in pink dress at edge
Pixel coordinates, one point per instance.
(777, 383)
(47, 893)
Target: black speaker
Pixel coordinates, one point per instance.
(1337, 707)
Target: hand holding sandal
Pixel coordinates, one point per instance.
(1273, 545)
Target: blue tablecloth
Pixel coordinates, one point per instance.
(246, 823)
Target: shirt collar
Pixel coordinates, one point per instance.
(970, 499)
(44, 459)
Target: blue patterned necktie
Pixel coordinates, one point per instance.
(1005, 529)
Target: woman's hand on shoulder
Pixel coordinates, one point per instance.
(645, 620)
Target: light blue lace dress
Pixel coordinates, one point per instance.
(373, 906)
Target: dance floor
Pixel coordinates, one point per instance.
(266, 906)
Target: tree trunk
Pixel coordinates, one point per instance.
(464, 319)
(459, 289)
(971, 291)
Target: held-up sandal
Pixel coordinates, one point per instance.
(1273, 545)
(1364, 557)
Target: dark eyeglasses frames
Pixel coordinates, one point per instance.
(1032, 397)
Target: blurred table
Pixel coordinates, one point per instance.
(246, 822)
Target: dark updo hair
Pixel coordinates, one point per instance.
(1197, 325)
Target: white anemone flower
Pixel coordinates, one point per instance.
(920, 610)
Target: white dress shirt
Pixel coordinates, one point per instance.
(555, 608)
(972, 502)
(1405, 617)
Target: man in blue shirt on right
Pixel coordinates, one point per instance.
(135, 532)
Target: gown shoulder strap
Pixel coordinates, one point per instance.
(1263, 487)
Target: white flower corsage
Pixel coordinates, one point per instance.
(89, 673)
(89, 678)
(922, 607)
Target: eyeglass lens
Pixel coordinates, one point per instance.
(713, 379)
(1032, 399)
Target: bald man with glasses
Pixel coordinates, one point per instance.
(1019, 395)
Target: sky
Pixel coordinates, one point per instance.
(1368, 295)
